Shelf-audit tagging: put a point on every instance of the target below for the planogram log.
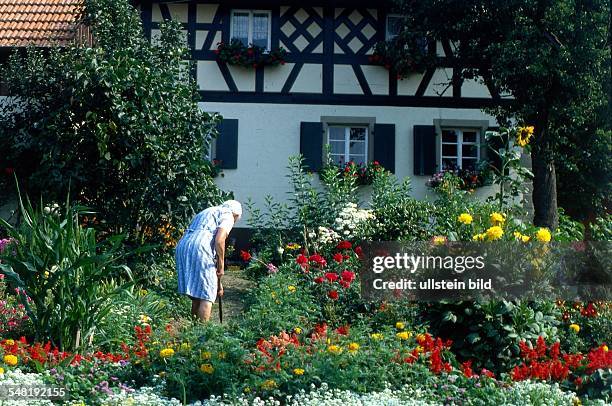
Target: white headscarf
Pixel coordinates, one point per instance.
(234, 206)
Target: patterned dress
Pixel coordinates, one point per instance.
(195, 253)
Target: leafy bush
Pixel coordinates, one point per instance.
(601, 228)
(59, 268)
(117, 124)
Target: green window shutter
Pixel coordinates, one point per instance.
(384, 145)
(424, 149)
(227, 143)
(486, 146)
(311, 144)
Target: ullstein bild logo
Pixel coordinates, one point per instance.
(460, 271)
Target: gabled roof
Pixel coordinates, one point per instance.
(39, 22)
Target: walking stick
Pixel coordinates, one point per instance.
(220, 301)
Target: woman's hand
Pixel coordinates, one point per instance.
(220, 270)
(220, 290)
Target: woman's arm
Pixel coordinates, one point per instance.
(220, 248)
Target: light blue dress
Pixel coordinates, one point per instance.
(195, 253)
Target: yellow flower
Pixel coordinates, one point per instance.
(605, 348)
(376, 336)
(353, 347)
(494, 233)
(293, 246)
(574, 327)
(420, 338)
(273, 294)
(11, 360)
(144, 319)
(298, 371)
(497, 219)
(291, 288)
(521, 237)
(1, 371)
(268, 384)
(247, 390)
(334, 349)
(479, 237)
(297, 330)
(400, 325)
(221, 355)
(465, 218)
(543, 235)
(404, 335)
(419, 349)
(166, 353)
(46, 274)
(185, 346)
(9, 342)
(207, 368)
(439, 240)
(523, 135)
(206, 355)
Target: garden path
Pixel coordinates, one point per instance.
(236, 286)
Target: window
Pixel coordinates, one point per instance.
(348, 144)
(251, 27)
(460, 149)
(393, 26)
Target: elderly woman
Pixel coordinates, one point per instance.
(200, 256)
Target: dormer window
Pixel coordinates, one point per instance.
(251, 27)
(394, 25)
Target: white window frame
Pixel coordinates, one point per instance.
(347, 140)
(250, 33)
(460, 143)
(388, 35)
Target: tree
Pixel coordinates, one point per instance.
(117, 124)
(552, 56)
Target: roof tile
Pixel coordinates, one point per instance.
(38, 22)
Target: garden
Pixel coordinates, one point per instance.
(112, 171)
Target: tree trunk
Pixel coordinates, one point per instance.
(544, 178)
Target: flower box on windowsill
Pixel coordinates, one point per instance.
(402, 56)
(364, 174)
(236, 53)
(464, 179)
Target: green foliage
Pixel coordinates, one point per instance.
(60, 268)
(118, 122)
(489, 332)
(601, 228)
(568, 230)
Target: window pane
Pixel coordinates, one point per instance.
(338, 159)
(336, 133)
(469, 164)
(470, 151)
(358, 134)
(449, 164)
(336, 147)
(469, 136)
(240, 27)
(357, 147)
(358, 159)
(260, 29)
(394, 26)
(449, 149)
(449, 136)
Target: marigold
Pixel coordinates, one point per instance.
(497, 218)
(9, 342)
(291, 288)
(400, 325)
(543, 235)
(421, 338)
(222, 355)
(297, 330)
(166, 353)
(293, 246)
(439, 240)
(353, 347)
(404, 335)
(494, 233)
(605, 348)
(1, 371)
(11, 360)
(376, 336)
(268, 384)
(479, 237)
(334, 349)
(574, 327)
(465, 218)
(206, 355)
(298, 371)
(207, 368)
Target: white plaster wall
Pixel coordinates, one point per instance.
(268, 134)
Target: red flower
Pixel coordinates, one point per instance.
(338, 257)
(344, 245)
(331, 276)
(345, 284)
(320, 330)
(466, 368)
(343, 330)
(319, 280)
(301, 259)
(348, 276)
(333, 294)
(246, 257)
(375, 163)
(318, 259)
(486, 372)
(359, 252)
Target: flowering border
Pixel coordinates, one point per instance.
(364, 174)
(252, 56)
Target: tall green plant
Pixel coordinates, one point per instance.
(59, 268)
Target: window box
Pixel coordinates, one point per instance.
(252, 56)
